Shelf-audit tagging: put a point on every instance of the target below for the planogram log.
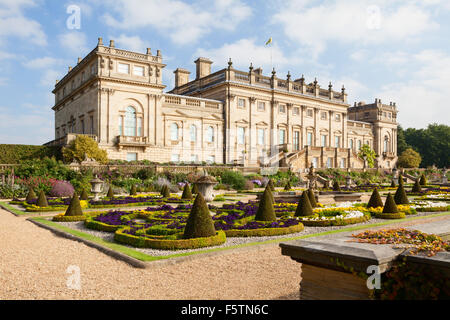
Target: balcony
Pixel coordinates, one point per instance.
(388, 155)
(129, 141)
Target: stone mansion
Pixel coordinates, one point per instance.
(229, 116)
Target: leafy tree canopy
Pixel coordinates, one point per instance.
(369, 153)
(84, 147)
(409, 159)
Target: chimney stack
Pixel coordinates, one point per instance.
(181, 77)
(203, 68)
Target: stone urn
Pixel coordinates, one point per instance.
(205, 185)
(96, 188)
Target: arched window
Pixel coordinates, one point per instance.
(386, 144)
(210, 134)
(130, 122)
(174, 132)
(193, 132)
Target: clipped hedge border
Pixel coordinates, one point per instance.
(432, 209)
(90, 223)
(264, 232)
(164, 244)
(335, 222)
(398, 215)
(63, 218)
(46, 209)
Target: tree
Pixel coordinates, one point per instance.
(304, 207)
(401, 140)
(370, 155)
(375, 200)
(199, 223)
(187, 195)
(83, 147)
(266, 211)
(409, 159)
(74, 208)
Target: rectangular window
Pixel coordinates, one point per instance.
(323, 140)
(337, 117)
(315, 162)
(296, 141)
(211, 159)
(194, 158)
(323, 116)
(366, 114)
(82, 125)
(120, 126)
(337, 142)
(282, 108)
(329, 162)
(261, 137)
(282, 136)
(309, 113)
(139, 127)
(131, 156)
(342, 164)
(175, 158)
(241, 135)
(123, 68)
(91, 118)
(241, 103)
(138, 71)
(296, 111)
(261, 106)
(82, 77)
(309, 139)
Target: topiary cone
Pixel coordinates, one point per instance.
(423, 180)
(74, 208)
(194, 189)
(271, 185)
(336, 186)
(165, 192)
(400, 195)
(287, 187)
(312, 198)
(416, 187)
(31, 195)
(304, 207)
(187, 193)
(375, 200)
(393, 184)
(266, 212)
(400, 180)
(110, 193)
(133, 190)
(389, 205)
(42, 200)
(84, 195)
(199, 224)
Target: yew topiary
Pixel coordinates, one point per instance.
(110, 193)
(31, 195)
(199, 223)
(194, 189)
(74, 208)
(423, 180)
(165, 192)
(271, 185)
(187, 193)
(42, 200)
(400, 195)
(416, 187)
(288, 186)
(375, 200)
(389, 205)
(304, 207)
(393, 184)
(312, 198)
(336, 186)
(133, 191)
(266, 211)
(84, 195)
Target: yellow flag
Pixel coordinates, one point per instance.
(269, 41)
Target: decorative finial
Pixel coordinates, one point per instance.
(111, 43)
(149, 51)
(100, 41)
(230, 63)
(274, 72)
(330, 86)
(315, 81)
(288, 76)
(70, 68)
(343, 89)
(158, 53)
(251, 67)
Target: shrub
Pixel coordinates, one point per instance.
(288, 186)
(393, 184)
(16, 153)
(165, 192)
(31, 195)
(266, 212)
(133, 191)
(110, 193)
(248, 185)
(375, 200)
(312, 198)
(409, 159)
(233, 178)
(199, 223)
(416, 187)
(61, 189)
(74, 208)
(336, 186)
(187, 193)
(390, 206)
(82, 147)
(42, 200)
(84, 195)
(423, 180)
(304, 207)
(400, 195)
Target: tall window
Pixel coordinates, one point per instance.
(386, 144)
(193, 132)
(210, 134)
(130, 122)
(174, 132)
(342, 163)
(295, 111)
(139, 127)
(337, 142)
(315, 161)
(350, 143)
(241, 103)
(261, 137)
(359, 144)
(309, 139)
(296, 140)
(282, 136)
(82, 125)
(241, 135)
(323, 139)
(282, 108)
(120, 126)
(330, 163)
(261, 106)
(91, 118)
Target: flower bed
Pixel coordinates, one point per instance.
(430, 206)
(324, 218)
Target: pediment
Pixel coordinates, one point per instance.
(242, 121)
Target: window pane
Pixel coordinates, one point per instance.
(139, 126)
(241, 135)
(210, 134)
(130, 122)
(123, 68)
(324, 140)
(309, 140)
(174, 132)
(131, 156)
(337, 142)
(261, 137)
(175, 158)
(193, 133)
(282, 134)
(138, 71)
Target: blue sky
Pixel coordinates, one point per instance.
(389, 49)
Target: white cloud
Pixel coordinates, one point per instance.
(13, 23)
(43, 63)
(74, 42)
(183, 22)
(49, 77)
(131, 43)
(359, 22)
